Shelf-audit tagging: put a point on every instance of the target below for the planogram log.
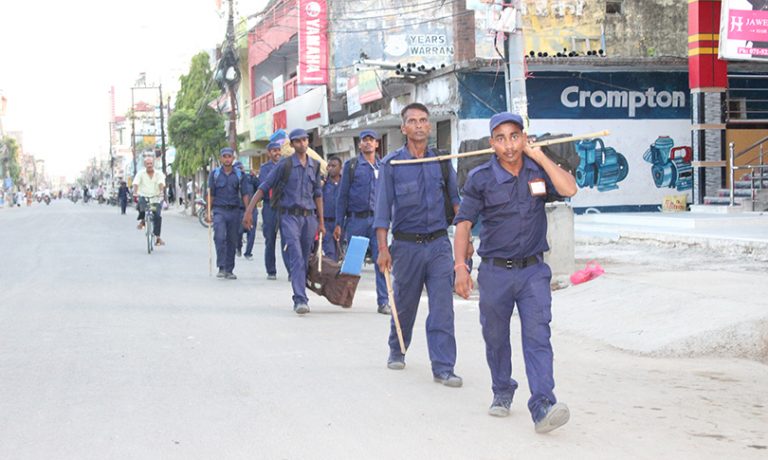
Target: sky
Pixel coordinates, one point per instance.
(58, 60)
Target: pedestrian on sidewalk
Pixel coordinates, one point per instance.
(300, 202)
(228, 193)
(122, 196)
(330, 194)
(508, 193)
(269, 217)
(412, 197)
(355, 205)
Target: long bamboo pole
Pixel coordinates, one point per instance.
(483, 152)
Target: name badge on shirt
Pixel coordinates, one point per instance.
(538, 187)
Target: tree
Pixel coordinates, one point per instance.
(10, 150)
(195, 129)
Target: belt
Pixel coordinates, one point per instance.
(361, 214)
(298, 211)
(512, 263)
(329, 219)
(226, 206)
(420, 237)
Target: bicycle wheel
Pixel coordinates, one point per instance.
(148, 224)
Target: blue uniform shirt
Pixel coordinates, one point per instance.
(330, 194)
(362, 189)
(411, 196)
(514, 221)
(227, 188)
(303, 183)
(264, 171)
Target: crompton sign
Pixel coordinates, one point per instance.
(600, 95)
(313, 49)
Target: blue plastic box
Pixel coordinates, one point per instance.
(353, 260)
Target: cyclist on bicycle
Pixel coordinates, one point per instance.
(149, 186)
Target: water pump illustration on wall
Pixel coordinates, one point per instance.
(671, 165)
(600, 166)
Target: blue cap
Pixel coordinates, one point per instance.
(274, 145)
(226, 151)
(298, 133)
(506, 117)
(369, 133)
(278, 135)
(237, 164)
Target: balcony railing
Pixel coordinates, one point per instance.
(267, 100)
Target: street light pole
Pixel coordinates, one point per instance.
(133, 131)
(162, 128)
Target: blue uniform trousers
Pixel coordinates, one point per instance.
(250, 235)
(415, 265)
(299, 236)
(528, 288)
(329, 243)
(269, 229)
(363, 226)
(226, 231)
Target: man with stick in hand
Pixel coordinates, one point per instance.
(509, 193)
(300, 203)
(413, 199)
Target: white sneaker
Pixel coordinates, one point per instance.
(556, 417)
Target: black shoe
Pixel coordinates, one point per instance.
(396, 362)
(384, 309)
(271, 277)
(248, 257)
(449, 379)
(301, 308)
(221, 273)
(500, 406)
(230, 276)
(239, 253)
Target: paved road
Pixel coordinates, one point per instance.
(106, 352)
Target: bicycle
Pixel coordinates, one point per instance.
(149, 223)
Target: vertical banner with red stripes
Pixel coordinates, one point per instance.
(705, 69)
(313, 42)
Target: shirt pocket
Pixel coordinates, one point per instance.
(407, 193)
(495, 198)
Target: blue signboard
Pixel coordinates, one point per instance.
(608, 95)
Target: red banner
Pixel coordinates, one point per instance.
(313, 45)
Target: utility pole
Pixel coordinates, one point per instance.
(162, 127)
(517, 99)
(231, 76)
(133, 131)
(111, 155)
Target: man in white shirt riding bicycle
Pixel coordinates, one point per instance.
(149, 186)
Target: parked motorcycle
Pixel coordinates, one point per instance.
(202, 212)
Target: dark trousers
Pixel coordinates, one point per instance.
(269, 229)
(250, 235)
(415, 265)
(363, 226)
(226, 231)
(157, 221)
(299, 235)
(528, 288)
(123, 205)
(329, 243)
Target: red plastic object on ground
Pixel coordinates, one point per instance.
(590, 272)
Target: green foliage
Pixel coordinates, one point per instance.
(10, 150)
(196, 130)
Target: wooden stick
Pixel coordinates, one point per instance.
(391, 294)
(210, 235)
(482, 152)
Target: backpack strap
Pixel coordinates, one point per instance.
(445, 167)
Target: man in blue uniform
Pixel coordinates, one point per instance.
(509, 193)
(269, 217)
(252, 183)
(412, 198)
(330, 194)
(238, 165)
(301, 211)
(228, 194)
(354, 210)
